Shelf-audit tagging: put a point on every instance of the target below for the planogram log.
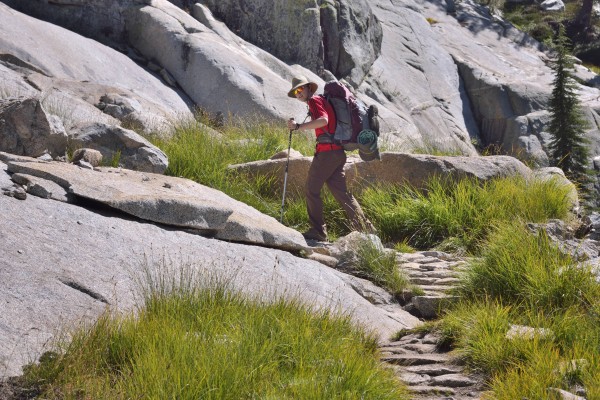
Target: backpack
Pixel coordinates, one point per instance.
(357, 127)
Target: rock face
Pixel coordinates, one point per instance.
(63, 264)
(343, 37)
(218, 74)
(71, 83)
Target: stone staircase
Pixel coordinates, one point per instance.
(429, 371)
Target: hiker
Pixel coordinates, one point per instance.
(327, 165)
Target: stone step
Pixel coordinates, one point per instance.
(438, 390)
(414, 348)
(448, 281)
(434, 369)
(433, 293)
(414, 379)
(417, 279)
(437, 288)
(452, 380)
(442, 265)
(432, 274)
(415, 359)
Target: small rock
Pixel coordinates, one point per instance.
(527, 332)
(564, 395)
(15, 191)
(84, 164)
(323, 259)
(284, 154)
(45, 157)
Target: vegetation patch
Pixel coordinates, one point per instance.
(381, 268)
(457, 216)
(214, 343)
(524, 280)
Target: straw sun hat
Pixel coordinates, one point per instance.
(301, 81)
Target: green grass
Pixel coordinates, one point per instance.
(458, 216)
(524, 279)
(529, 270)
(209, 342)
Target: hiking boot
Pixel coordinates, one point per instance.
(372, 114)
(313, 234)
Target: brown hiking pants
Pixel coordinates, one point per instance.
(327, 167)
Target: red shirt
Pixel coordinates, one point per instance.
(319, 107)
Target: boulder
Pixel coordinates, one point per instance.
(91, 156)
(26, 129)
(393, 168)
(416, 170)
(346, 249)
(528, 333)
(65, 265)
(552, 5)
(274, 170)
(545, 174)
(168, 200)
(124, 146)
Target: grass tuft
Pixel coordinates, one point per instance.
(381, 268)
(530, 270)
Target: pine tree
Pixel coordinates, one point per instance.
(567, 147)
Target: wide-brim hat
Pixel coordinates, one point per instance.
(301, 81)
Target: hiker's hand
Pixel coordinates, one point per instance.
(292, 124)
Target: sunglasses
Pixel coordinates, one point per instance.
(298, 90)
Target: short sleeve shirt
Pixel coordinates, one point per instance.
(319, 107)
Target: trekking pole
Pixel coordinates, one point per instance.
(287, 164)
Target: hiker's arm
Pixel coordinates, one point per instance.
(315, 124)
